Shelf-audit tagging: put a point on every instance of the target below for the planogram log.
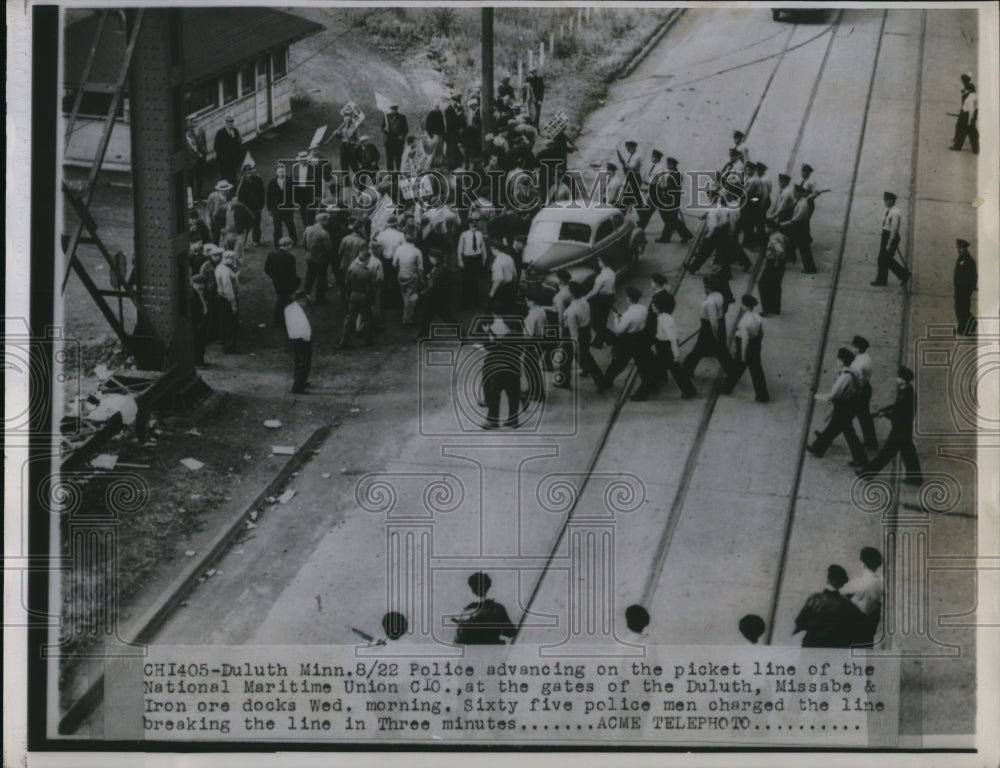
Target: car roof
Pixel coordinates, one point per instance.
(583, 215)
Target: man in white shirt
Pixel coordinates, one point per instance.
(390, 238)
(601, 298)
(866, 591)
(842, 396)
(749, 334)
(656, 169)
(968, 116)
(408, 262)
(503, 291)
(892, 221)
(470, 261)
(797, 230)
(300, 334)
(711, 341)
(862, 366)
(227, 293)
(632, 343)
(614, 182)
(576, 320)
(666, 344)
(531, 358)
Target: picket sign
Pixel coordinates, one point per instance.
(555, 125)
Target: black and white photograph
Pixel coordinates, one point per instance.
(550, 381)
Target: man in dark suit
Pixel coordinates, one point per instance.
(454, 127)
(434, 122)
(250, 192)
(395, 129)
(900, 440)
(228, 151)
(280, 267)
(281, 207)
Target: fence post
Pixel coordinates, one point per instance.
(531, 58)
(520, 70)
(541, 55)
(552, 42)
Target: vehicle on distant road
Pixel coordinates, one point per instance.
(799, 14)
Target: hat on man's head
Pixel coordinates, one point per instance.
(303, 155)
(631, 143)
(301, 295)
(761, 167)
(784, 177)
(806, 168)
(285, 241)
(671, 161)
(229, 119)
(222, 185)
(905, 374)
(860, 342)
(392, 221)
(656, 153)
(962, 243)
(739, 133)
(228, 257)
(891, 195)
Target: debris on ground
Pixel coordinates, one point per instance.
(283, 450)
(272, 424)
(194, 431)
(192, 463)
(190, 553)
(326, 475)
(112, 403)
(104, 461)
(286, 496)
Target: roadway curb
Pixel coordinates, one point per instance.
(655, 38)
(159, 611)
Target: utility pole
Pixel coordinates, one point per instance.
(487, 56)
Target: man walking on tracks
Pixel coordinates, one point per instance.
(843, 398)
(632, 343)
(773, 272)
(666, 345)
(797, 229)
(711, 340)
(900, 439)
(862, 366)
(750, 333)
(665, 193)
(891, 222)
(577, 322)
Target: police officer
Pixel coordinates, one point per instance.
(665, 194)
(842, 396)
(711, 341)
(892, 221)
(966, 279)
(797, 229)
(632, 343)
(750, 333)
(773, 272)
(900, 439)
(576, 321)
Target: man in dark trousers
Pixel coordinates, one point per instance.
(296, 322)
(484, 621)
(843, 397)
(501, 372)
(797, 229)
(535, 82)
(665, 195)
(282, 210)
(320, 252)
(711, 341)
(454, 130)
(966, 283)
(773, 272)
(900, 440)
(359, 285)
(632, 343)
(862, 366)
(892, 221)
(434, 122)
(829, 619)
(228, 148)
(968, 116)
(250, 192)
(576, 321)
(280, 267)
(749, 335)
(199, 317)
(666, 345)
(435, 297)
(395, 129)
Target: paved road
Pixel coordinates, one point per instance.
(725, 517)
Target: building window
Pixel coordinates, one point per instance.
(230, 86)
(248, 80)
(201, 98)
(279, 64)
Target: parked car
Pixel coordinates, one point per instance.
(801, 13)
(570, 236)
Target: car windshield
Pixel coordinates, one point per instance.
(549, 231)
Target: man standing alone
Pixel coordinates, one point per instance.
(300, 334)
(891, 223)
(966, 280)
(228, 148)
